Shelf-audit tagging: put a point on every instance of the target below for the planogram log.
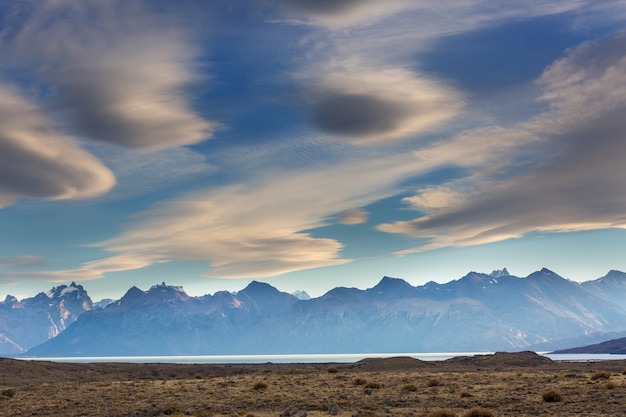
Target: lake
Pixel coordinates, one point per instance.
(307, 358)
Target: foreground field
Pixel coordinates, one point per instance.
(520, 384)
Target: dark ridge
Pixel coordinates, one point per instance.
(515, 359)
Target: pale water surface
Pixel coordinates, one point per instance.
(308, 358)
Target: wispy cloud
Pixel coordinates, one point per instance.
(342, 13)
(577, 185)
(255, 229)
(353, 216)
(22, 261)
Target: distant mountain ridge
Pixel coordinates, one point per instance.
(478, 312)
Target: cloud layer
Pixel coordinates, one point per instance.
(257, 229)
(120, 74)
(577, 185)
(89, 71)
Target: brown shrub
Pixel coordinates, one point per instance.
(466, 394)
(359, 381)
(8, 393)
(479, 412)
(373, 385)
(332, 370)
(551, 396)
(259, 385)
(601, 375)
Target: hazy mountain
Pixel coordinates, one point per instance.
(611, 286)
(27, 323)
(479, 312)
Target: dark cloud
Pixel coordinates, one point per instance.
(358, 115)
(35, 162)
(133, 107)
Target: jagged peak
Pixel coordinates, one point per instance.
(301, 295)
(498, 273)
(9, 299)
(163, 286)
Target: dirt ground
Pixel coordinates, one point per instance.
(491, 385)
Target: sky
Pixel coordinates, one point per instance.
(308, 144)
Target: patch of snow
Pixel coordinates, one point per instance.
(68, 290)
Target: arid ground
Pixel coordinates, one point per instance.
(504, 384)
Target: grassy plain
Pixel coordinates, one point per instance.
(521, 384)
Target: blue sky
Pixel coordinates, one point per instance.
(308, 144)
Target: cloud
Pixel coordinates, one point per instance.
(341, 13)
(116, 73)
(38, 163)
(22, 261)
(370, 107)
(255, 229)
(354, 216)
(577, 185)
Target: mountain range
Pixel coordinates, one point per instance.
(479, 312)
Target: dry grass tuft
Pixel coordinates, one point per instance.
(433, 382)
(332, 370)
(601, 375)
(551, 396)
(609, 385)
(409, 388)
(479, 412)
(373, 385)
(466, 394)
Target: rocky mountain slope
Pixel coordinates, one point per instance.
(27, 323)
